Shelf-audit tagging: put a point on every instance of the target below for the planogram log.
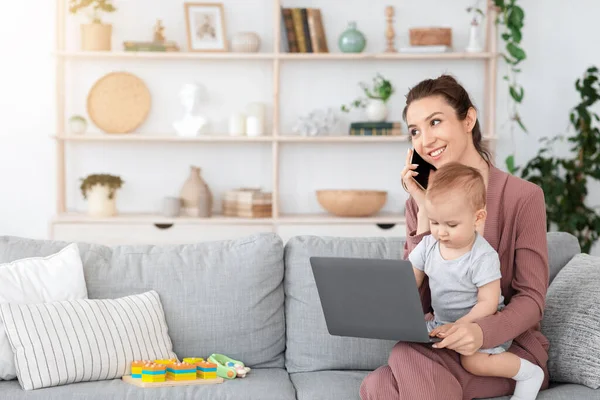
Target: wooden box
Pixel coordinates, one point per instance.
(430, 36)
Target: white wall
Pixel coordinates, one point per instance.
(558, 41)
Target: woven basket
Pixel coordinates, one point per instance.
(119, 102)
(430, 37)
(352, 203)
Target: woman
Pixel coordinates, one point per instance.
(443, 125)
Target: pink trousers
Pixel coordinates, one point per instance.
(419, 372)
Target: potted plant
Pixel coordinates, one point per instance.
(95, 35)
(100, 192)
(375, 103)
(474, 45)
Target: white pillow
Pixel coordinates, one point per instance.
(38, 280)
(86, 340)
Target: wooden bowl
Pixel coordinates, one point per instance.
(352, 203)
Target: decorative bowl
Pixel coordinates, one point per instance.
(352, 203)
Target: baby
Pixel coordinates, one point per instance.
(464, 272)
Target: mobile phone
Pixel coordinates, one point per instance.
(423, 168)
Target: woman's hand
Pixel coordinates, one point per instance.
(411, 186)
(465, 339)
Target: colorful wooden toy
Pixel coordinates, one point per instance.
(136, 368)
(227, 367)
(206, 370)
(152, 372)
(166, 361)
(181, 371)
(193, 360)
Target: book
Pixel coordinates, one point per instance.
(375, 132)
(289, 32)
(317, 31)
(385, 124)
(299, 29)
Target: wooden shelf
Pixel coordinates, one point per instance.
(183, 55)
(138, 137)
(159, 55)
(152, 138)
(323, 218)
(385, 56)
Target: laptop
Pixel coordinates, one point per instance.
(370, 298)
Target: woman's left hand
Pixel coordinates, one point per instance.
(465, 339)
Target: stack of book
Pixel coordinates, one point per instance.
(376, 128)
(150, 46)
(302, 31)
(247, 203)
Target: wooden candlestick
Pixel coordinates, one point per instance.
(389, 32)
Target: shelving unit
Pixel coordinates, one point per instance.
(277, 139)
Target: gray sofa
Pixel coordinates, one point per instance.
(253, 299)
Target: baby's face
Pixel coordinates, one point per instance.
(452, 220)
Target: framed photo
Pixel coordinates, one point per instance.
(205, 25)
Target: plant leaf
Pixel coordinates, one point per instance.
(515, 51)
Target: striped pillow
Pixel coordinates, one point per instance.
(64, 342)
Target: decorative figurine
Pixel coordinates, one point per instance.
(192, 123)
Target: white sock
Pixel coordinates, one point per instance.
(529, 380)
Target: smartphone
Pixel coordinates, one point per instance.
(424, 169)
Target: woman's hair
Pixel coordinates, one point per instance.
(456, 176)
(456, 96)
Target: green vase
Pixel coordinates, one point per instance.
(352, 40)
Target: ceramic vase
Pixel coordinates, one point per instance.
(474, 45)
(196, 197)
(376, 110)
(99, 203)
(352, 40)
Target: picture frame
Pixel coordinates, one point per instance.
(205, 26)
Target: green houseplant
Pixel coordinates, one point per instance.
(564, 179)
(96, 35)
(511, 18)
(375, 100)
(100, 192)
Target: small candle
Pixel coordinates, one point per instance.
(237, 124)
(254, 126)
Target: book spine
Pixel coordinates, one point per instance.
(375, 132)
(389, 125)
(299, 29)
(290, 31)
(317, 31)
(306, 28)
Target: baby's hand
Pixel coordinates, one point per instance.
(429, 316)
(441, 331)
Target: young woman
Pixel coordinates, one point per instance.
(443, 125)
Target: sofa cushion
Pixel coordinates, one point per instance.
(219, 297)
(310, 347)
(562, 247)
(260, 384)
(328, 385)
(563, 392)
(572, 322)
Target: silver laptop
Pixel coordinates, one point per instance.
(370, 298)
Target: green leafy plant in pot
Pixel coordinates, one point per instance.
(96, 35)
(100, 191)
(564, 180)
(375, 100)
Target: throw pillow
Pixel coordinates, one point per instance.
(72, 341)
(572, 322)
(38, 280)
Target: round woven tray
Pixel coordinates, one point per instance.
(118, 102)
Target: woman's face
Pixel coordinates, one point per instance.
(437, 134)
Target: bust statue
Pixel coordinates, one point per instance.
(191, 124)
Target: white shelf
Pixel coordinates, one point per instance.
(382, 218)
(184, 55)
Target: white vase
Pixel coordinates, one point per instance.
(99, 205)
(245, 42)
(474, 45)
(376, 110)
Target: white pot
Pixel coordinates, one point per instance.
(99, 205)
(376, 110)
